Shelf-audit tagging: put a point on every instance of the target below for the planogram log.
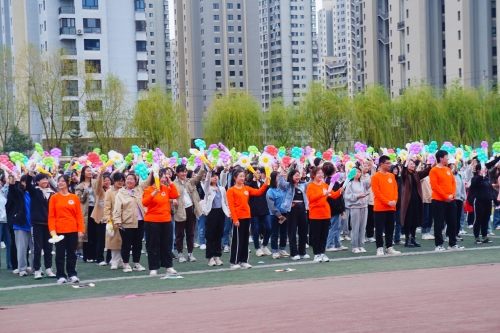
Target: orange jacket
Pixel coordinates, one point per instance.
(65, 214)
(442, 183)
(319, 208)
(158, 207)
(385, 189)
(237, 200)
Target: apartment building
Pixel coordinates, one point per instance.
(288, 49)
(216, 50)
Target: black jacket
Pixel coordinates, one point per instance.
(337, 206)
(199, 188)
(15, 207)
(39, 205)
(258, 205)
(481, 189)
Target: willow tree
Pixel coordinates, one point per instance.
(157, 120)
(372, 117)
(234, 119)
(281, 124)
(324, 114)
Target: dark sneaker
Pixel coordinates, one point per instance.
(487, 240)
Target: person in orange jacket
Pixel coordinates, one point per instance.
(158, 223)
(65, 219)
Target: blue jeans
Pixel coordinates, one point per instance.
(333, 239)
(173, 233)
(257, 222)
(278, 230)
(228, 227)
(397, 229)
(496, 218)
(201, 229)
(462, 220)
(427, 222)
(5, 237)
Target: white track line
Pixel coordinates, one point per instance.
(309, 262)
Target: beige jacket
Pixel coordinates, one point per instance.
(371, 197)
(426, 190)
(190, 186)
(115, 242)
(98, 211)
(125, 210)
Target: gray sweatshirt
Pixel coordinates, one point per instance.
(352, 192)
(460, 192)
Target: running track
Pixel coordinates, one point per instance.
(452, 299)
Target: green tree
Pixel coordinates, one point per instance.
(281, 124)
(324, 114)
(234, 119)
(18, 141)
(77, 143)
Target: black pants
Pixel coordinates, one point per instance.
(90, 245)
(66, 248)
(100, 238)
(482, 209)
(108, 256)
(383, 220)
(41, 236)
(214, 228)
(132, 238)
(460, 205)
(239, 245)
(188, 226)
(159, 244)
(297, 222)
(410, 231)
(370, 223)
(444, 211)
(13, 250)
(318, 233)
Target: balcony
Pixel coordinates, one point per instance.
(401, 25)
(383, 38)
(66, 10)
(401, 59)
(92, 30)
(67, 31)
(383, 14)
(69, 51)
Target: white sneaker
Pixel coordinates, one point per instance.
(266, 251)
(171, 270)
(463, 232)
(297, 257)
(428, 236)
(181, 258)
(403, 237)
(317, 258)
(491, 234)
(380, 251)
(49, 273)
(276, 255)
(16, 271)
(226, 249)
(138, 268)
(284, 254)
(331, 249)
(23, 273)
(307, 246)
(399, 243)
(203, 247)
(235, 266)
(142, 251)
(356, 250)
(153, 272)
(74, 279)
(38, 275)
(342, 248)
(392, 251)
(211, 262)
(470, 226)
(259, 253)
(371, 240)
(341, 238)
(127, 269)
(362, 249)
(446, 239)
(245, 265)
(102, 263)
(218, 262)
(250, 239)
(61, 280)
(30, 270)
(455, 248)
(347, 238)
(196, 245)
(114, 267)
(439, 249)
(497, 228)
(324, 258)
(191, 258)
(2, 245)
(305, 256)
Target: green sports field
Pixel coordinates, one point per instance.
(15, 290)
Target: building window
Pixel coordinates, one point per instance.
(217, 51)
(231, 62)
(216, 6)
(229, 5)
(142, 66)
(216, 28)
(459, 54)
(92, 66)
(218, 74)
(231, 51)
(92, 44)
(230, 39)
(495, 70)
(216, 17)
(71, 87)
(494, 31)
(407, 13)
(69, 67)
(241, 73)
(230, 28)
(90, 4)
(408, 48)
(140, 46)
(459, 35)
(92, 26)
(494, 51)
(232, 73)
(408, 65)
(493, 12)
(217, 62)
(142, 85)
(459, 16)
(70, 108)
(140, 25)
(460, 72)
(216, 39)
(139, 5)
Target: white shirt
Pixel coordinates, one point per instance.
(187, 199)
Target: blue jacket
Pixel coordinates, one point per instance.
(275, 197)
(289, 190)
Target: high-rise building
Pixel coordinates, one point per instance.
(288, 49)
(215, 51)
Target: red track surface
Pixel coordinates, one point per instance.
(455, 299)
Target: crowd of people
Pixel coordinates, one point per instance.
(82, 213)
